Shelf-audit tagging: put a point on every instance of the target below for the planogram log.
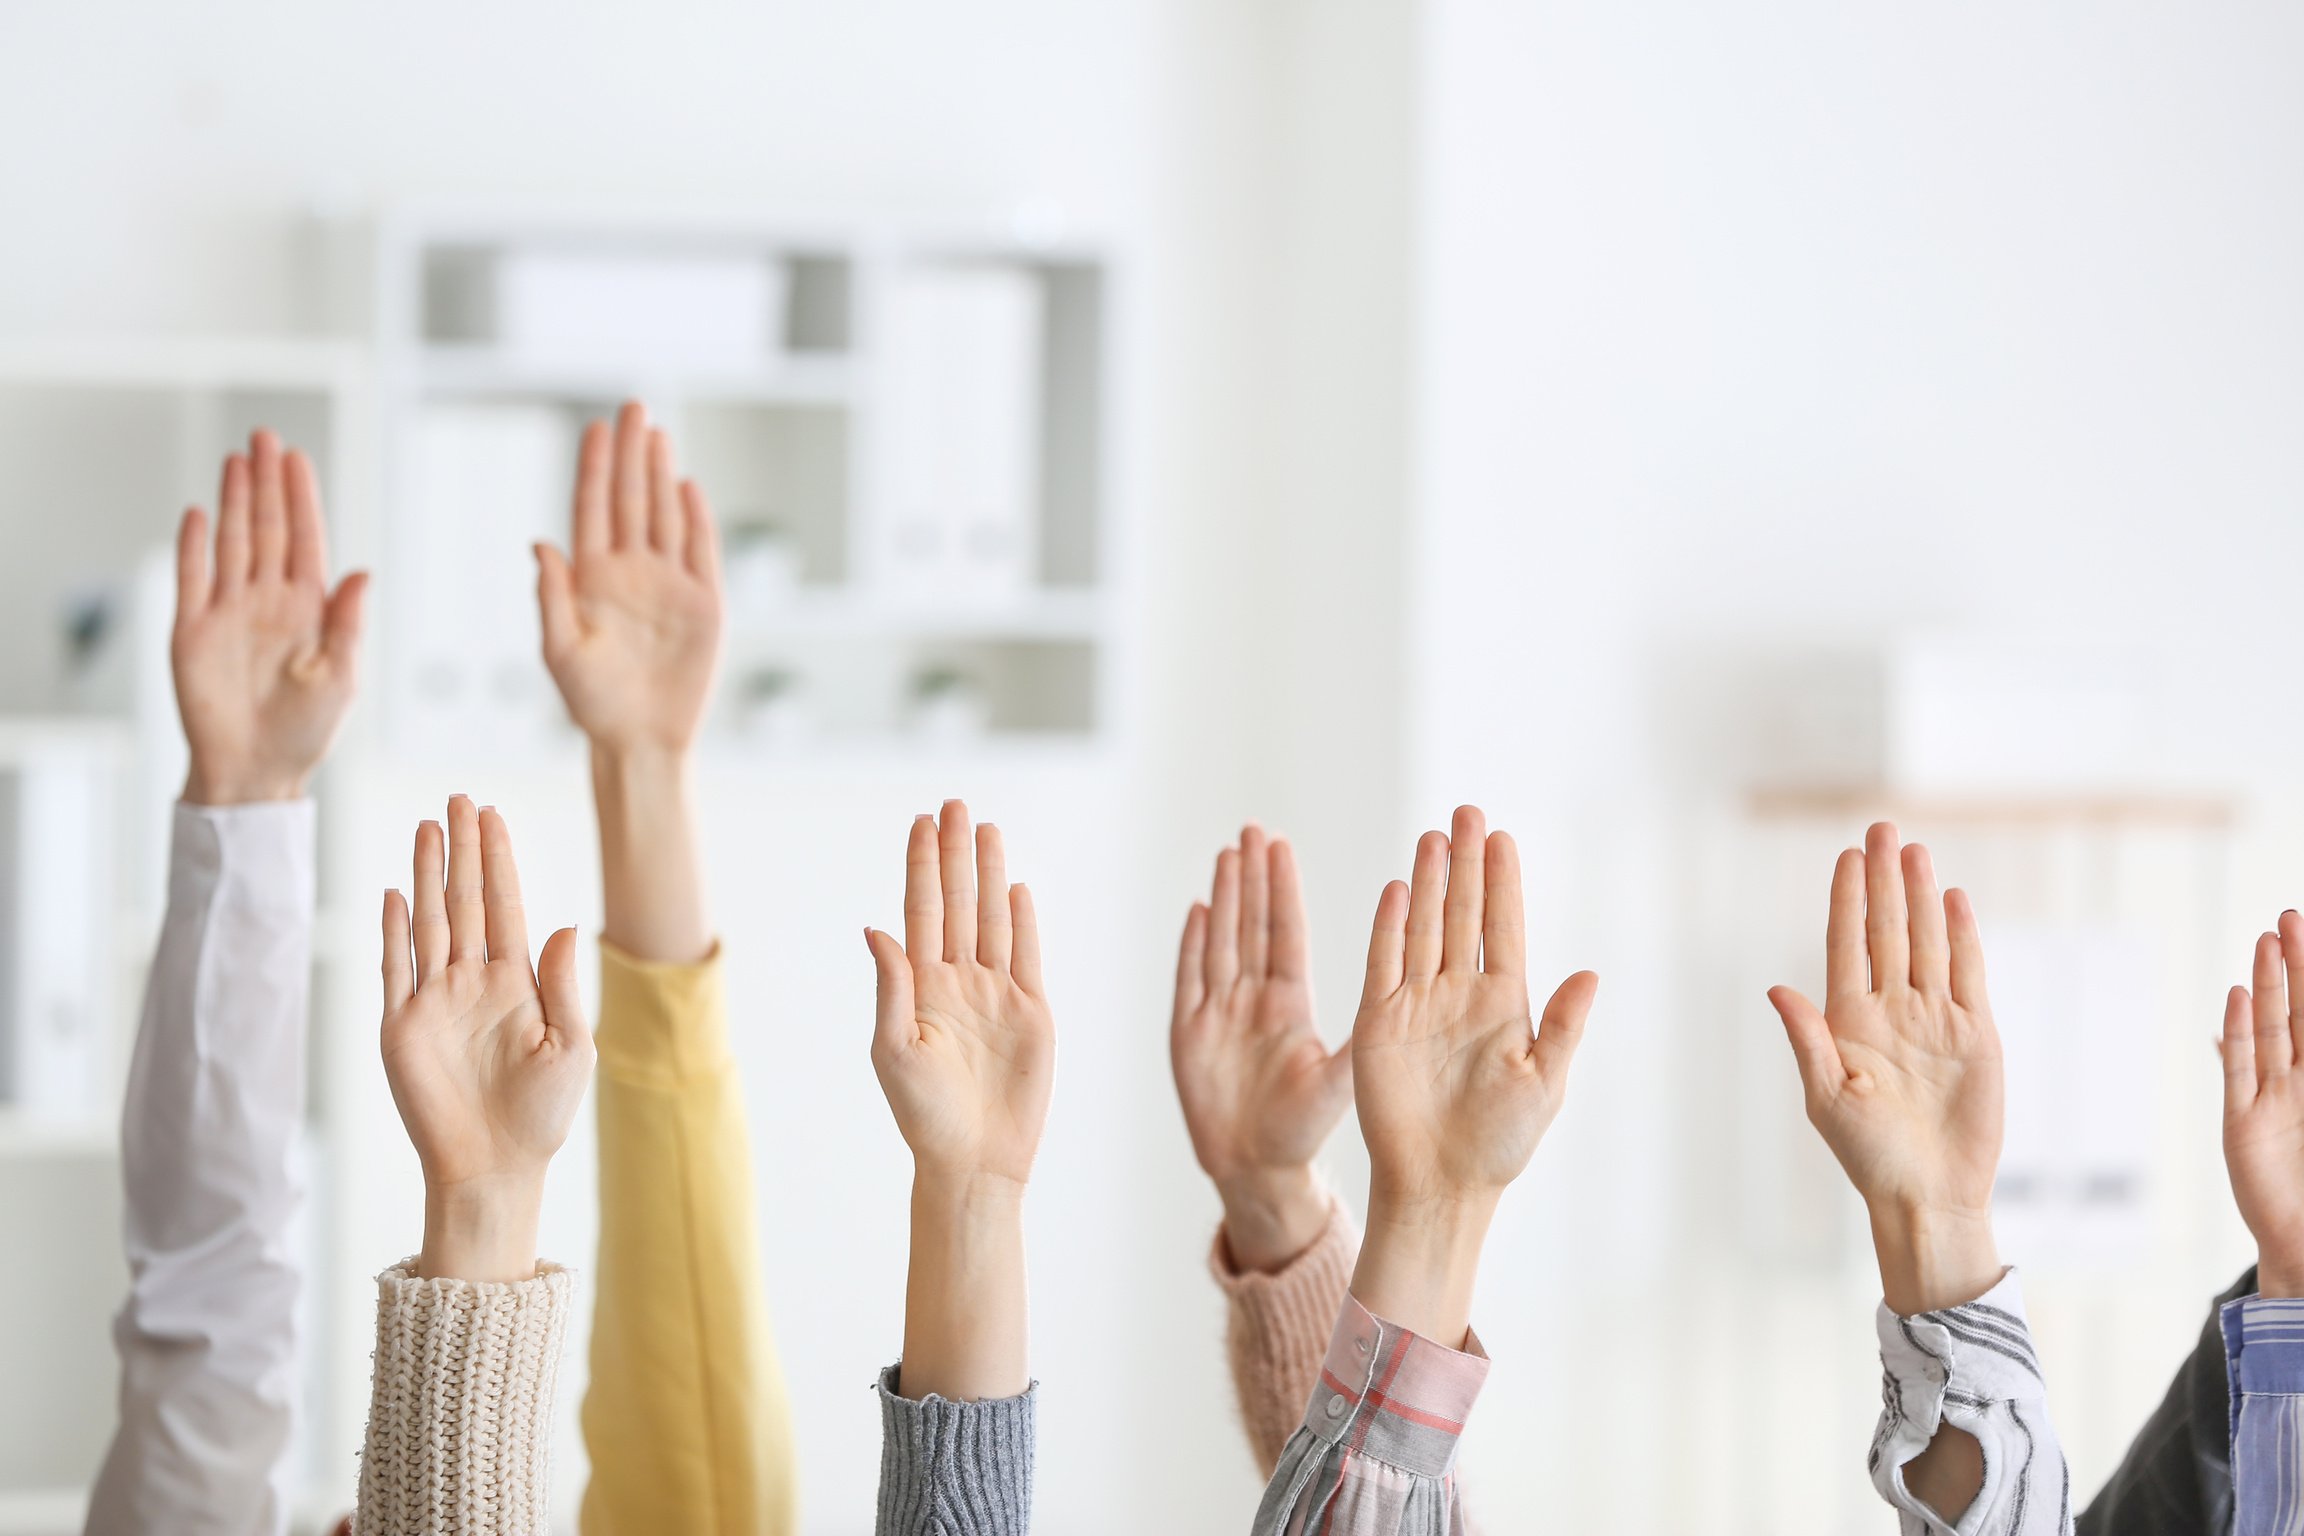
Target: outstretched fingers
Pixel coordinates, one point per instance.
(667, 520)
(270, 527)
(2291, 930)
(1387, 944)
(232, 515)
(1503, 920)
(1462, 908)
(507, 921)
(1967, 948)
(1024, 967)
(467, 894)
(2275, 1044)
(1255, 901)
(1191, 964)
(1887, 925)
(192, 576)
(1427, 895)
(923, 892)
(399, 977)
(431, 919)
(591, 524)
(1224, 921)
(1931, 966)
(628, 486)
(1291, 953)
(2238, 1048)
(307, 528)
(954, 851)
(1846, 972)
(995, 928)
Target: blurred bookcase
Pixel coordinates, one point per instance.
(903, 431)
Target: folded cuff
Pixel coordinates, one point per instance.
(2264, 1344)
(661, 1022)
(1391, 1394)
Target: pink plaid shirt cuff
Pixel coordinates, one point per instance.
(1377, 1452)
(1394, 1395)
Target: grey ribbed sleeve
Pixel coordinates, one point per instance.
(954, 1469)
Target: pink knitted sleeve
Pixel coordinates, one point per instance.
(1278, 1330)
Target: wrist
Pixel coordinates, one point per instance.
(642, 764)
(2279, 1271)
(1271, 1215)
(481, 1229)
(651, 877)
(1420, 1260)
(972, 1193)
(211, 787)
(1933, 1257)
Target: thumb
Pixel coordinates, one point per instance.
(892, 1024)
(555, 600)
(340, 621)
(1813, 1048)
(563, 1002)
(1562, 1025)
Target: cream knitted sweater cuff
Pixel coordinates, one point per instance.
(460, 1404)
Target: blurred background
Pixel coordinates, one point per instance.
(1686, 430)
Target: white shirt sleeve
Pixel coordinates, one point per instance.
(207, 1338)
(1973, 1367)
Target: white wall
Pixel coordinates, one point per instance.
(1799, 324)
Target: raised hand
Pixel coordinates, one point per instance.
(2264, 1106)
(965, 1046)
(263, 653)
(487, 1058)
(966, 1053)
(632, 624)
(1456, 1083)
(631, 636)
(1901, 1070)
(1260, 1089)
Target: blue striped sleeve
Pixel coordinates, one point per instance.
(2264, 1359)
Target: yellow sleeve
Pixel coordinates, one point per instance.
(685, 1417)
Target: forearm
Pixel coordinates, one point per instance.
(215, 1102)
(651, 875)
(965, 1326)
(1419, 1262)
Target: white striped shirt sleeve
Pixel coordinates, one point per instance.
(1972, 1367)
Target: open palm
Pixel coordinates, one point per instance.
(487, 1060)
(1901, 1067)
(2264, 1106)
(263, 653)
(632, 623)
(964, 1044)
(1260, 1088)
(1455, 1082)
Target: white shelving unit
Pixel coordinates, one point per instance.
(810, 441)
